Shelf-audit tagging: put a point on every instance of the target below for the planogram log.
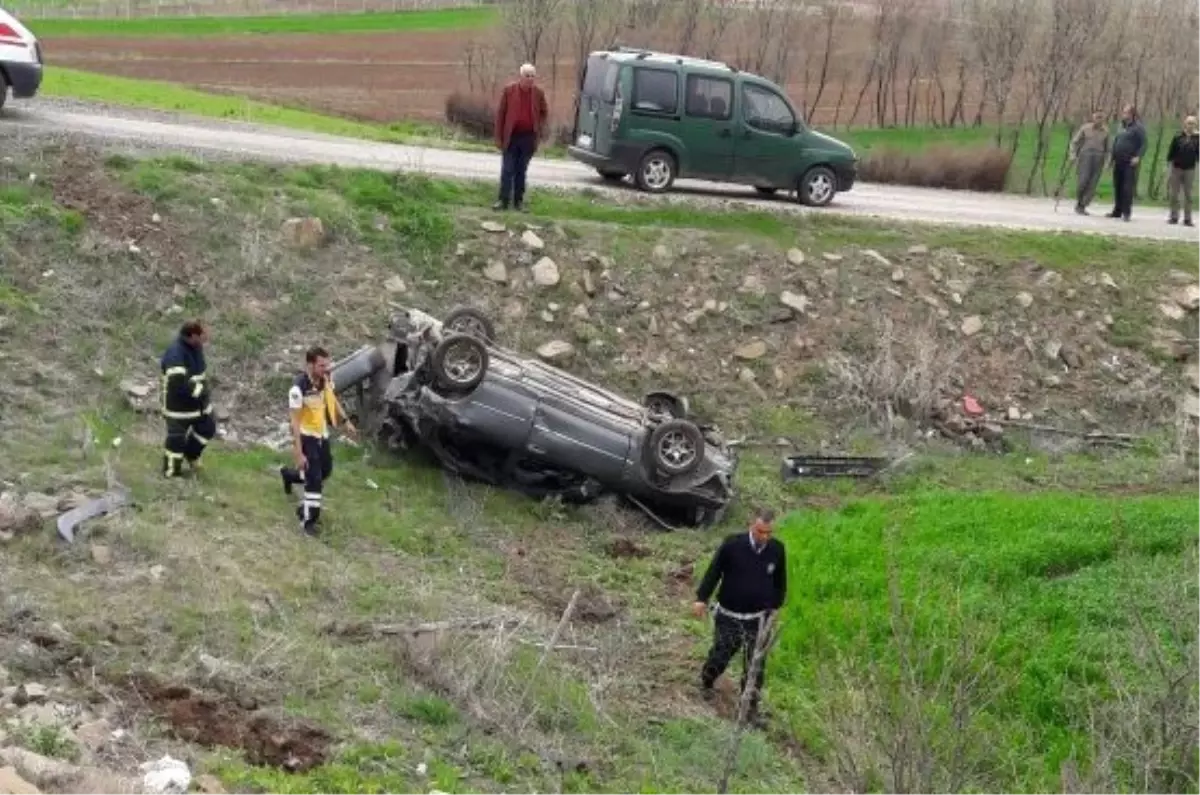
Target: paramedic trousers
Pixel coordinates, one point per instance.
(186, 439)
(319, 467)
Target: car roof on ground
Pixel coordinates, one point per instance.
(629, 54)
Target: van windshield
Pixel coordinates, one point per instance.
(600, 79)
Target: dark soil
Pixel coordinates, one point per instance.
(213, 720)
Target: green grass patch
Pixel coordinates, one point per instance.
(1034, 594)
(324, 24)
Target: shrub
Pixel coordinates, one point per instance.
(476, 116)
(472, 114)
(982, 168)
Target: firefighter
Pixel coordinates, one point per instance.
(314, 407)
(186, 400)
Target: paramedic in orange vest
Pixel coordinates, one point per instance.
(314, 408)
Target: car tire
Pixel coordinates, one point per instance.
(611, 176)
(469, 320)
(766, 191)
(3, 89)
(656, 171)
(675, 448)
(459, 362)
(817, 187)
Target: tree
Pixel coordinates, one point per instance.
(999, 29)
(1060, 53)
(528, 23)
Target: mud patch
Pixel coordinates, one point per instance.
(212, 720)
(594, 606)
(625, 548)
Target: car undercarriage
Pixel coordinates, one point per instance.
(446, 389)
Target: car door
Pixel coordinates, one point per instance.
(569, 433)
(708, 127)
(767, 150)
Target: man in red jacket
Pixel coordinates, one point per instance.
(520, 123)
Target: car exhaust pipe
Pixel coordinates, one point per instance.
(357, 367)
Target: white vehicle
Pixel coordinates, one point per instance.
(20, 59)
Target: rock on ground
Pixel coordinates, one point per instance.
(11, 783)
(972, 325)
(532, 241)
(545, 273)
(304, 232)
(556, 351)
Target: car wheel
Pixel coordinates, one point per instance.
(817, 187)
(3, 90)
(675, 448)
(459, 362)
(766, 191)
(656, 172)
(468, 320)
(611, 176)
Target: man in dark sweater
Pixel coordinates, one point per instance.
(752, 570)
(1128, 148)
(1181, 170)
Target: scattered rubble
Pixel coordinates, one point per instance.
(495, 271)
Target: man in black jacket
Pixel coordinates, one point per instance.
(1181, 164)
(1128, 148)
(752, 570)
(186, 404)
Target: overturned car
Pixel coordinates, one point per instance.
(493, 415)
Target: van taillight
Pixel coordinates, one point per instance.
(618, 105)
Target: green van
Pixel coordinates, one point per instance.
(660, 117)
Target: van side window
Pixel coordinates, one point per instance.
(655, 90)
(600, 79)
(709, 97)
(766, 110)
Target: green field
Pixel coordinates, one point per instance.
(332, 24)
(172, 97)
(1039, 595)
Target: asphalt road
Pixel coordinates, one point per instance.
(148, 130)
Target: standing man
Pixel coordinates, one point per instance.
(1089, 148)
(314, 407)
(186, 402)
(752, 570)
(1181, 170)
(520, 123)
(1128, 148)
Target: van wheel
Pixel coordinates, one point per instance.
(3, 89)
(656, 172)
(611, 176)
(817, 187)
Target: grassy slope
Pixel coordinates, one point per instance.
(326, 24)
(1043, 571)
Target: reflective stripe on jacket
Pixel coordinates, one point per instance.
(318, 406)
(185, 393)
